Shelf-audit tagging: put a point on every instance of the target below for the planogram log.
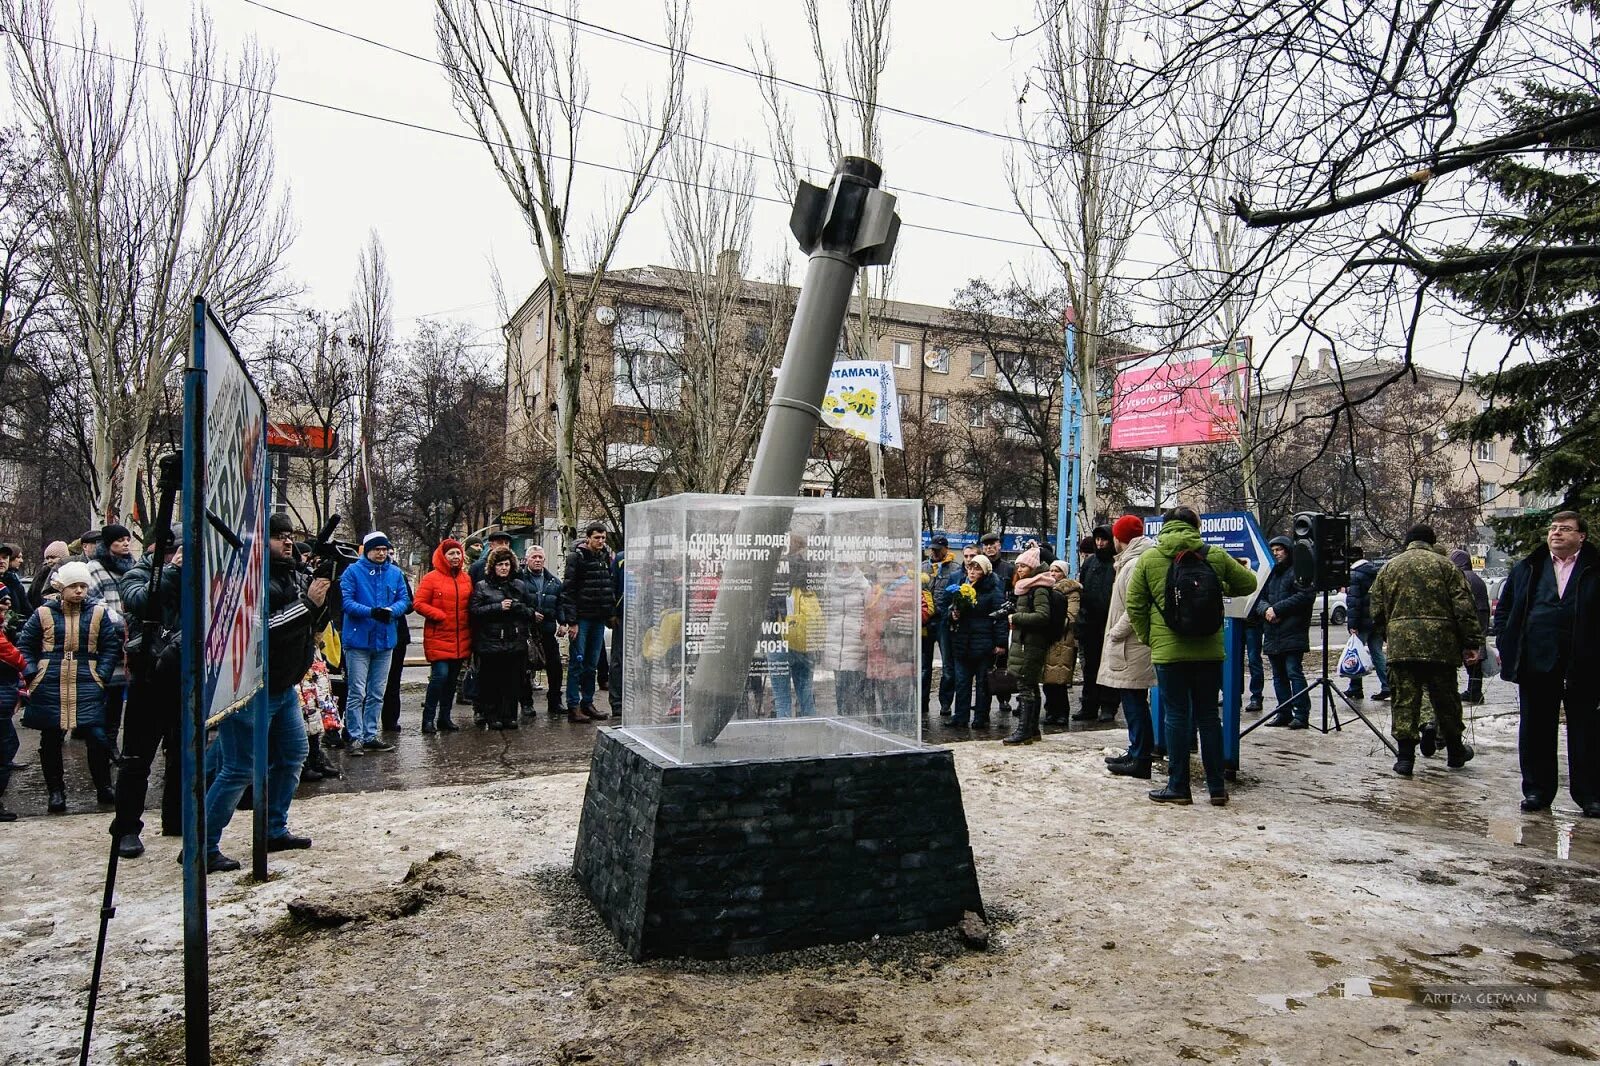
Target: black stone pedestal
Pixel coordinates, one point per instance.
(743, 858)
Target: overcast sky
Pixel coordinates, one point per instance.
(444, 216)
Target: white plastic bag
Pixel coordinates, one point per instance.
(1355, 660)
(1491, 661)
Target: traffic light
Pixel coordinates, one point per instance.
(1321, 551)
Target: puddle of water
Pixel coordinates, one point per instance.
(1558, 835)
(1554, 836)
(1353, 987)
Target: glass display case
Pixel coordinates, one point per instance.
(770, 628)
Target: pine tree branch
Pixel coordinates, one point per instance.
(1452, 266)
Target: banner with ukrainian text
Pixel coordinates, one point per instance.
(862, 401)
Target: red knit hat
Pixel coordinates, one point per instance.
(1127, 528)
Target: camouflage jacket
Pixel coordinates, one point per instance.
(1421, 603)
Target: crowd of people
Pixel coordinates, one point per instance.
(1422, 616)
(90, 651)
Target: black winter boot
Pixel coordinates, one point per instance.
(1407, 761)
(1430, 739)
(1027, 731)
(1457, 753)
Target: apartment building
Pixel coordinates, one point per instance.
(649, 338)
(1405, 459)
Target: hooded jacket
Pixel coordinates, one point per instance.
(69, 654)
(1357, 597)
(1475, 585)
(363, 586)
(444, 600)
(293, 623)
(1030, 626)
(1147, 593)
(1061, 661)
(588, 587)
(1291, 607)
(844, 610)
(1421, 604)
(1125, 661)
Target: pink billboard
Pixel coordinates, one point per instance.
(1169, 400)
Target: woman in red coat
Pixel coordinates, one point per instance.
(443, 597)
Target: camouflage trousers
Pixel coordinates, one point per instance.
(1408, 682)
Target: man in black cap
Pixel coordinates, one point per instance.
(498, 539)
(88, 543)
(941, 570)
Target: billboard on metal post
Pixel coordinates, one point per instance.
(235, 492)
(1169, 400)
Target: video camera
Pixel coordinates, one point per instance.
(333, 556)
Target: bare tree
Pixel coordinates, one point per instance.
(448, 467)
(1079, 193)
(371, 336)
(729, 332)
(521, 84)
(166, 189)
(850, 113)
(314, 384)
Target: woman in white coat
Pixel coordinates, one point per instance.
(844, 649)
(1125, 663)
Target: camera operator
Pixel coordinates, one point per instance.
(1284, 609)
(297, 607)
(153, 715)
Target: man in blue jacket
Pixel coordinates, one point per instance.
(374, 595)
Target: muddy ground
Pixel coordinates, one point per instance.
(1299, 924)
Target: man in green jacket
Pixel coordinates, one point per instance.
(1188, 668)
(1421, 604)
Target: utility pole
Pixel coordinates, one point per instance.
(1069, 483)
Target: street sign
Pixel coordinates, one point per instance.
(518, 516)
(1238, 534)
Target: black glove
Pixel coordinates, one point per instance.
(382, 614)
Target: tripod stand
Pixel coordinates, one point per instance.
(1330, 693)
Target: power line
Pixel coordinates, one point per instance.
(473, 138)
(809, 168)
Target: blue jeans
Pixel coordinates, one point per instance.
(1288, 678)
(1252, 660)
(286, 755)
(585, 662)
(1136, 709)
(938, 637)
(441, 696)
(798, 676)
(972, 673)
(366, 674)
(1190, 697)
(1380, 662)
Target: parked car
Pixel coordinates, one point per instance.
(1337, 611)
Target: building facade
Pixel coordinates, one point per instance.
(678, 371)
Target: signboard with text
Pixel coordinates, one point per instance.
(1239, 534)
(1171, 399)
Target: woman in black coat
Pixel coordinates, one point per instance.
(1284, 609)
(977, 639)
(500, 616)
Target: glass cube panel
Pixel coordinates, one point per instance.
(771, 627)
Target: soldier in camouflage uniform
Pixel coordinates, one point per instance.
(1421, 604)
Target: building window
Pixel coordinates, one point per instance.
(814, 493)
(645, 368)
(938, 410)
(755, 336)
(940, 362)
(1427, 488)
(935, 516)
(902, 354)
(1486, 450)
(975, 415)
(1487, 492)
(980, 364)
(1299, 411)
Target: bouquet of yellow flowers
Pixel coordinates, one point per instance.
(968, 595)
